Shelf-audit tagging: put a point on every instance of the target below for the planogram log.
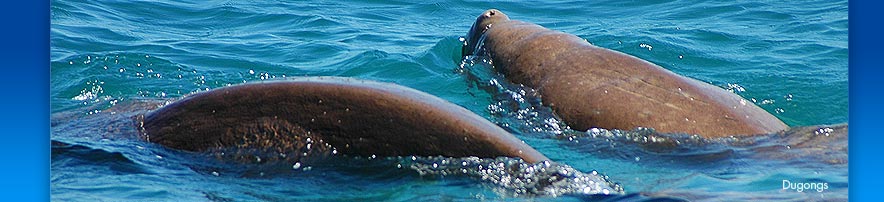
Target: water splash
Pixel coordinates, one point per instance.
(516, 176)
(515, 106)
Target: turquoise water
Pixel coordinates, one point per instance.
(111, 60)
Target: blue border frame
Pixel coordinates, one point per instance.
(24, 64)
(865, 48)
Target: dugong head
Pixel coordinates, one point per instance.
(483, 22)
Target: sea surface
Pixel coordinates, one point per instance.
(112, 60)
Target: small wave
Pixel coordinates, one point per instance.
(71, 155)
(115, 69)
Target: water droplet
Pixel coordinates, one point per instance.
(644, 45)
(251, 71)
(215, 173)
(297, 165)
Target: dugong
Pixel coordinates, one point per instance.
(356, 117)
(589, 86)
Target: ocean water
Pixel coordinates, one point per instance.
(111, 60)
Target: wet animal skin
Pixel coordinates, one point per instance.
(589, 86)
(356, 117)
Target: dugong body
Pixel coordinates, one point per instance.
(356, 117)
(588, 86)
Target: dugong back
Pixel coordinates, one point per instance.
(356, 117)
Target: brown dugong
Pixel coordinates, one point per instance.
(356, 117)
(589, 86)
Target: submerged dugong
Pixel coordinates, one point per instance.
(589, 86)
(356, 117)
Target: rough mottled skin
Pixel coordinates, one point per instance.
(588, 86)
(356, 117)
